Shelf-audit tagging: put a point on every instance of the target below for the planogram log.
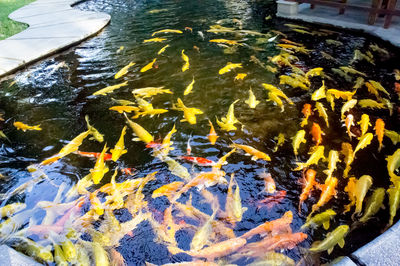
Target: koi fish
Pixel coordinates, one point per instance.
(322, 112)
(318, 71)
(99, 168)
(394, 200)
(332, 238)
(364, 124)
(154, 40)
(25, 127)
(229, 66)
(123, 108)
(280, 140)
(123, 71)
(150, 91)
(230, 42)
(189, 88)
(347, 151)
(378, 87)
(240, 76)
(177, 169)
(139, 131)
(349, 122)
(93, 131)
(72, 146)
(281, 225)
(297, 140)
(148, 66)
(320, 93)
(119, 148)
(347, 106)
(110, 89)
(347, 69)
(328, 190)
(379, 131)
(393, 162)
(200, 238)
(361, 189)
(345, 95)
(228, 123)
(189, 114)
(166, 31)
(320, 219)
(316, 133)
(198, 160)
(368, 103)
(162, 50)
(12, 208)
(274, 97)
(167, 190)
(333, 159)
(212, 136)
(316, 154)
(306, 112)
(128, 171)
(276, 91)
(256, 154)
(123, 102)
(393, 135)
(308, 183)
(252, 101)
(188, 147)
(185, 58)
(107, 156)
(120, 49)
(233, 207)
(269, 182)
(364, 142)
(293, 82)
(273, 258)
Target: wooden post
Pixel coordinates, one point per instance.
(391, 5)
(373, 15)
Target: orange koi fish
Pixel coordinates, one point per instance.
(127, 171)
(167, 190)
(379, 131)
(270, 201)
(308, 184)
(306, 112)
(107, 156)
(328, 190)
(348, 122)
(316, 133)
(198, 160)
(212, 136)
(276, 226)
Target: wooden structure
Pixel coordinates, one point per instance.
(387, 8)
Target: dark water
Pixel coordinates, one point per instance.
(59, 100)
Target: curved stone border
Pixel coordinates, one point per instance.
(53, 26)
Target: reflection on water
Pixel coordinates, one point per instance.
(57, 94)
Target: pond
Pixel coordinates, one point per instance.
(129, 223)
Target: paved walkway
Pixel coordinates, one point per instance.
(53, 25)
(351, 19)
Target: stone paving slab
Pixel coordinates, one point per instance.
(53, 25)
(10, 257)
(351, 19)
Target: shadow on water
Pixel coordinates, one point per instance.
(56, 94)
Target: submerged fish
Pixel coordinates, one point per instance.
(228, 123)
(123, 71)
(332, 238)
(320, 219)
(297, 140)
(110, 89)
(308, 184)
(212, 136)
(256, 154)
(252, 101)
(185, 58)
(229, 66)
(25, 127)
(166, 31)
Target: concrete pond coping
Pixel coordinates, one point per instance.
(53, 26)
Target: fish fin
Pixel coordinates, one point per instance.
(254, 158)
(341, 243)
(330, 250)
(183, 120)
(326, 225)
(136, 139)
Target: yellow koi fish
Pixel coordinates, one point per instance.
(233, 207)
(99, 168)
(201, 237)
(148, 66)
(123, 70)
(297, 140)
(25, 127)
(229, 66)
(333, 159)
(110, 89)
(275, 98)
(347, 106)
(154, 40)
(167, 190)
(123, 108)
(345, 95)
(347, 151)
(278, 92)
(228, 123)
(294, 82)
(316, 155)
(93, 131)
(252, 101)
(240, 76)
(393, 163)
(322, 112)
(189, 114)
(280, 140)
(150, 91)
(71, 147)
(328, 190)
(364, 124)
(394, 200)
(369, 103)
(364, 142)
(119, 148)
(332, 238)
(320, 93)
(256, 154)
(166, 31)
(186, 59)
(318, 71)
(189, 88)
(162, 50)
(230, 42)
(212, 136)
(139, 131)
(393, 136)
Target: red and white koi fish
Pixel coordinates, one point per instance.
(198, 160)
